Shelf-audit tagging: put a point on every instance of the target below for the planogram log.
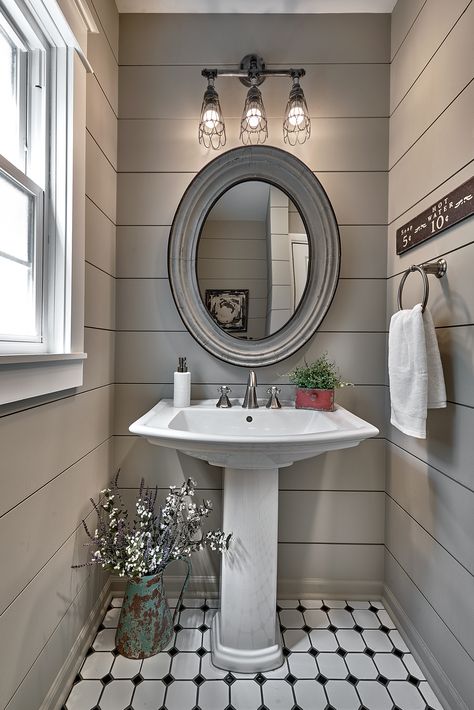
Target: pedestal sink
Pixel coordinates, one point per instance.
(251, 445)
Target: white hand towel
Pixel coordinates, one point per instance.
(415, 372)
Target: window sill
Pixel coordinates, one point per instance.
(26, 376)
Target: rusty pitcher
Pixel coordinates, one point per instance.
(146, 623)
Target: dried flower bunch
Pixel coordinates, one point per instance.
(321, 374)
(148, 543)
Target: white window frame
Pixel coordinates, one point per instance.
(60, 366)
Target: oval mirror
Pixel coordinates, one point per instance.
(254, 255)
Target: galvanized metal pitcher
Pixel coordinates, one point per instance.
(146, 624)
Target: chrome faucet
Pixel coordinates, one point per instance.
(250, 399)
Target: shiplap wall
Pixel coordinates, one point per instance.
(331, 507)
(57, 452)
(429, 563)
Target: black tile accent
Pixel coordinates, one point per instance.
(173, 651)
(203, 628)
(263, 707)
(77, 679)
(229, 679)
(358, 628)
(101, 628)
(137, 679)
(414, 681)
(385, 629)
(106, 679)
(115, 652)
(282, 628)
(178, 627)
(340, 652)
(204, 607)
(290, 678)
(348, 607)
(301, 608)
(314, 652)
(96, 708)
(286, 651)
(182, 607)
(279, 608)
(332, 628)
(369, 652)
(396, 652)
(307, 629)
(90, 651)
(382, 679)
(199, 679)
(168, 679)
(296, 707)
(352, 679)
(374, 609)
(260, 679)
(201, 651)
(230, 707)
(321, 679)
(324, 608)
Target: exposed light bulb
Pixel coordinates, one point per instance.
(296, 116)
(254, 117)
(210, 118)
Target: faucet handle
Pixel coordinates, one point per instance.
(224, 402)
(273, 401)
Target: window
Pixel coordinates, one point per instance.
(41, 158)
(23, 179)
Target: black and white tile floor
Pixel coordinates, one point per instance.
(338, 656)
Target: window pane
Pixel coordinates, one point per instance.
(9, 100)
(16, 220)
(17, 301)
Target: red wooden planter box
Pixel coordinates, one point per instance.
(314, 399)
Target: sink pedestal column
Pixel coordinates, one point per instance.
(245, 633)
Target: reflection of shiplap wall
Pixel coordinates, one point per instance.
(233, 255)
(56, 452)
(331, 507)
(279, 279)
(429, 562)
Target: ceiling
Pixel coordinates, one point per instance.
(255, 6)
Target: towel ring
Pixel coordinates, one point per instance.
(438, 268)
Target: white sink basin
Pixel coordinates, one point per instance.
(250, 438)
(251, 444)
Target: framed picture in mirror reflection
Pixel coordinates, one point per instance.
(229, 308)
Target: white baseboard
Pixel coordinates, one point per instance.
(437, 678)
(287, 588)
(61, 686)
(329, 588)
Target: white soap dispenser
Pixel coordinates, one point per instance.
(182, 385)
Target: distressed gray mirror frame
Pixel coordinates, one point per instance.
(293, 177)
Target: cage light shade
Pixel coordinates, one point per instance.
(211, 125)
(253, 126)
(297, 124)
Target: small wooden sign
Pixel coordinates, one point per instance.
(446, 212)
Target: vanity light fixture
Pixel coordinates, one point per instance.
(211, 125)
(253, 125)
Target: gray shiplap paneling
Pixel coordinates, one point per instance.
(439, 504)
(434, 22)
(223, 39)
(403, 15)
(100, 239)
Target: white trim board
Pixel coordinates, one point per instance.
(298, 7)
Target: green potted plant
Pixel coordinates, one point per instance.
(315, 384)
(141, 549)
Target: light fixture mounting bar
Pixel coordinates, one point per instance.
(252, 71)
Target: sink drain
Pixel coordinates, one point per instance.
(249, 419)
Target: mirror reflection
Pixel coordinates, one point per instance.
(252, 260)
